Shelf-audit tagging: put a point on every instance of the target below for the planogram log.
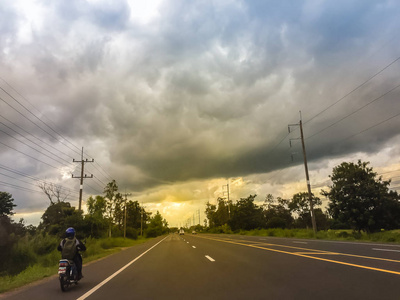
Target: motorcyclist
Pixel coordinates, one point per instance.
(70, 247)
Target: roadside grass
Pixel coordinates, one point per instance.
(389, 236)
(47, 265)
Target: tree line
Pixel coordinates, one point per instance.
(358, 199)
(105, 217)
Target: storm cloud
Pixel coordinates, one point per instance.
(198, 91)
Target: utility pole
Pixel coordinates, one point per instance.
(82, 177)
(141, 220)
(126, 195)
(314, 224)
(227, 191)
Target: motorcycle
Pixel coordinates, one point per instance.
(67, 274)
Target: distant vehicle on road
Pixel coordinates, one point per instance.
(194, 232)
(181, 232)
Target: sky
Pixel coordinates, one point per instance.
(176, 99)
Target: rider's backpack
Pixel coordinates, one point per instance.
(69, 249)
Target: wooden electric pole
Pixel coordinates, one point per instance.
(314, 224)
(227, 191)
(126, 195)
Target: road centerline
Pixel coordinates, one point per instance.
(307, 255)
(389, 250)
(210, 258)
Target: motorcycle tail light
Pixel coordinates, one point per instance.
(63, 264)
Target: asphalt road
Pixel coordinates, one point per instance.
(235, 267)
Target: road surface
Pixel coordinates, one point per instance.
(206, 266)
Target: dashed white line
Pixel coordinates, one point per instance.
(297, 242)
(391, 250)
(187, 242)
(210, 258)
(194, 247)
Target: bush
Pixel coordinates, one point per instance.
(50, 259)
(342, 234)
(44, 244)
(131, 233)
(152, 232)
(22, 256)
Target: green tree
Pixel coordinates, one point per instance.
(360, 199)
(222, 213)
(96, 222)
(247, 215)
(110, 192)
(300, 205)
(6, 204)
(211, 214)
(277, 213)
(134, 214)
(119, 210)
(96, 206)
(59, 216)
(157, 226)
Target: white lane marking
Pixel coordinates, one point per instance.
(87, 294)
(391, 250)
(210, 258)
(297, 242)
(194, 247)
(187, 242)
(262, 239)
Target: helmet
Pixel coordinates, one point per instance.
(70, 232)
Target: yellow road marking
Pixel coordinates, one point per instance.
(307, 249)
(317, 253)
(317, 258)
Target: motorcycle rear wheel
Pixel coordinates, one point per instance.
(64, 283)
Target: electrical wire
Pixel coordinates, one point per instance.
(43, 142)
(355, 89)
(30, 156)
(354, 112)
(36, 110)
(13, 137)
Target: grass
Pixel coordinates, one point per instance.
(47, 265)
(390, 236)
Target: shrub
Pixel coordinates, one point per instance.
(44, 244)
(343, 234)
(21, 257)
(131, 233)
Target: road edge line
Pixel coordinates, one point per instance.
(88, 293)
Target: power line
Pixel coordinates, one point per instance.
(32, 136)
(29, 140)
(36, 149)
(8, 169)
(352, 91)
(373, 126)
(35, 124)
(37, 111)
(354, 112)
(37, 119)
(30, 156)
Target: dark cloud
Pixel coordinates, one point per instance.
(203, 90)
